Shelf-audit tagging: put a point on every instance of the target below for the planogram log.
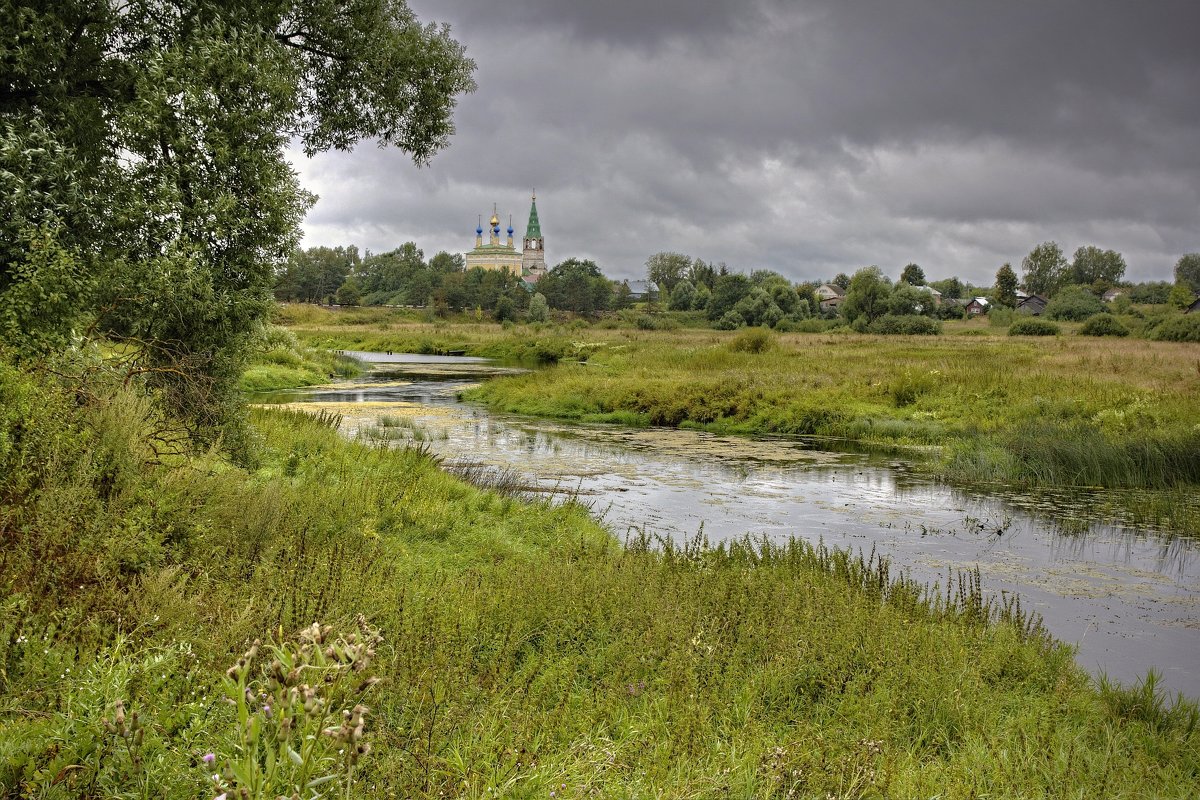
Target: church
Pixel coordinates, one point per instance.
(528, 263)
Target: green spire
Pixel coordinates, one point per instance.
(534, 229)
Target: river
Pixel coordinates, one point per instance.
(1128, 599)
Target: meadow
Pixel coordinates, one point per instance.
(973, 405)
(520, 651)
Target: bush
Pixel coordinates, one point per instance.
(752, 340)
(1033, 327)
(1103, 325)
(1074, 303)
(950, 311)
(1180, 329)
(731, 321)
(1000, 316)
(905, 325)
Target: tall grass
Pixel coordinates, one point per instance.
(524, 652)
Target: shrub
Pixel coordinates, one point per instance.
(539, 309)
(1074, 303)
(752, 340)
(730, 321)
(1180, 329)
(1103, 325)
(1000, 316)
(905, 325)
(1033, 327)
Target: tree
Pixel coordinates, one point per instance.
(349, 293)
(727, 291)
(682, 296)
(1005, 291)
(313, 275)
(576, 285)
(1181, 295)
(867, 295)
(701, 274)
(951, 288)
(1101, 269)
(913, 275)
(908, 300)
(841, 280)
(1044, 269)
(667, 269)
(1151, 292)
(148, 139)
(1074, 303)
(1187, 271)
(446, 263)
(539, 309)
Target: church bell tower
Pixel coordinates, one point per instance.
(533, 252)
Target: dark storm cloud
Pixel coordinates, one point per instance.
(809, 138)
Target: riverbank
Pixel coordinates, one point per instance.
(973, 406)
(524, 651)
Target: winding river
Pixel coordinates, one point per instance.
(1128, 599)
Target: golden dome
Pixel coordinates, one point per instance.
(495, 220)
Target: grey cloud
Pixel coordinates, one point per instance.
(804, 137)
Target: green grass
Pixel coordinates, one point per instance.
(281, 362)
(525, 652)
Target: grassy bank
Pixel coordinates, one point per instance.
(524, 652)
(281, 362)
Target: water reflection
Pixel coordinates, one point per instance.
(1127, 597)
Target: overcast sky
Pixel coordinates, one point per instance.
(809, 138)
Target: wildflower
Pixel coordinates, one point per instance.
(209, 758)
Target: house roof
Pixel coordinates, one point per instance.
(982, 301)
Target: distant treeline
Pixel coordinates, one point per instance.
(727, 299)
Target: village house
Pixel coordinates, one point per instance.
(829, 296)
(977, 306)
(1113, 294)
(1032, 304)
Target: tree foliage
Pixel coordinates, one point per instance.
(1074, 303)
(867, 295)
(667, 269)
(1005, 291)
(913, 275)
(1100, 269)
(1187, 271)
(576, 285)
(951, 288)
(315, 274)
(1044, 269)
(683, 296)
(148, 141)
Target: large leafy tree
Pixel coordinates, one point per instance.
(143, 169)
(1044, 269)
(1187, 271)
(913, 275)
(576, 285)
(667, 269)
(1005, 290)
(1098, 268)
(867, 296)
